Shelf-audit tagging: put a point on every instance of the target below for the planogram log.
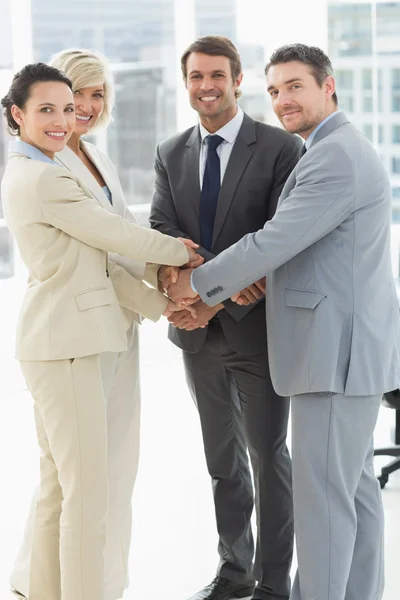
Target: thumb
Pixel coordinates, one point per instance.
(174, 274)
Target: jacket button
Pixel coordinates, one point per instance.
(107, 273)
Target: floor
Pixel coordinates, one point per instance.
(174, 540)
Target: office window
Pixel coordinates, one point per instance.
(396, 192)
(368, 131)
(396, 134)
(396, 79)
(367, 79)
(396, 165)
(367, 104)
(396, 102)
(344, 80)
(346, 102)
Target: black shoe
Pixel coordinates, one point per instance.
(224, 589)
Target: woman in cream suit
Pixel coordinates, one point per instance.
(93, 96)
(70, 316)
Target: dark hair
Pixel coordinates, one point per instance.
(21, 88)
(214, 45)
(321, 66)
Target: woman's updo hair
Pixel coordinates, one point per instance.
(21, 88)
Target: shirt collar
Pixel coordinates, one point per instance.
(310, 138)
(20, 147)
(229, 131)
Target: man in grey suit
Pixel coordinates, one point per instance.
(215, 194)
(333, 325)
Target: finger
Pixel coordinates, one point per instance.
(189, 243)
(188, 301)
(186, 325)
(174, 274)
(243, 301)
(247, 295)
(235, 297)
(253, 289)
(261, 284)
(192, 311)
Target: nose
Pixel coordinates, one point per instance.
(84, 104)
(60, 120)
(207, 83)
(282, 98)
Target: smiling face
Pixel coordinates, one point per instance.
(211, 89)
(48, 118)
(297, 100)
(89, 105)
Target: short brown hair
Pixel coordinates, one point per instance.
(321, 66)
(214, 45)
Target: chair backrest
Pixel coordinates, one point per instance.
(392, 399)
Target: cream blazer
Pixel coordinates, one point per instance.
(138, 269)
(71, 307)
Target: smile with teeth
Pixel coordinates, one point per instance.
(209, 98)
(83, 118)
(56, 134)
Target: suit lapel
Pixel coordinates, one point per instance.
(287, 188)
(238, 160)
(190, 170)
(70, 160)
(336, 121)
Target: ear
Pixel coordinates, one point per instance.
(330, 86)
(238, 81)
(17, 114)
(185, 81)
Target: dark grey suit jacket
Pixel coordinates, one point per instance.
(261, 160)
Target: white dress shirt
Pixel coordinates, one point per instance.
(229, 132)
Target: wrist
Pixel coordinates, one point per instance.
(218, 307)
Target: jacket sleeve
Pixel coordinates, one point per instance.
(136, 295)
(65, 206)
(321, 200)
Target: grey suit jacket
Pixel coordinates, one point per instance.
(332, 308)
(261, 160)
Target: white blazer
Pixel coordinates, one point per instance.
(138, 269)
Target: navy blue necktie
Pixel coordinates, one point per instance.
(210, 191)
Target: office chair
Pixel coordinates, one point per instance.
(391, 400)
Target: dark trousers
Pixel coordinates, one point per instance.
(239, 411)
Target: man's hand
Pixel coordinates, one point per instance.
(250, 294)
(181, 292)
(184, 320)
(195, 260)
(173, 308)
(168, 275)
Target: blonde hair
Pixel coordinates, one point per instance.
(86, 68)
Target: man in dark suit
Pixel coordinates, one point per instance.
(215, 183)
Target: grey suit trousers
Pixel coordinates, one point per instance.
(240, 410)
(337, 500)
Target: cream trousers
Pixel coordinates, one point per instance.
(121, 386)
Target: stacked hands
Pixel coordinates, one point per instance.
(185, 309)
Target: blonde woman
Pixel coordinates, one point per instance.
(93, 98)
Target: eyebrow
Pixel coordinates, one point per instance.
(271, 87)
(50, 104)
(195, 71)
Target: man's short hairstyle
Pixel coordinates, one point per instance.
(87, 68)
(214, 45)
(321, 66)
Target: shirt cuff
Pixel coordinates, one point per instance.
(191, 282)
